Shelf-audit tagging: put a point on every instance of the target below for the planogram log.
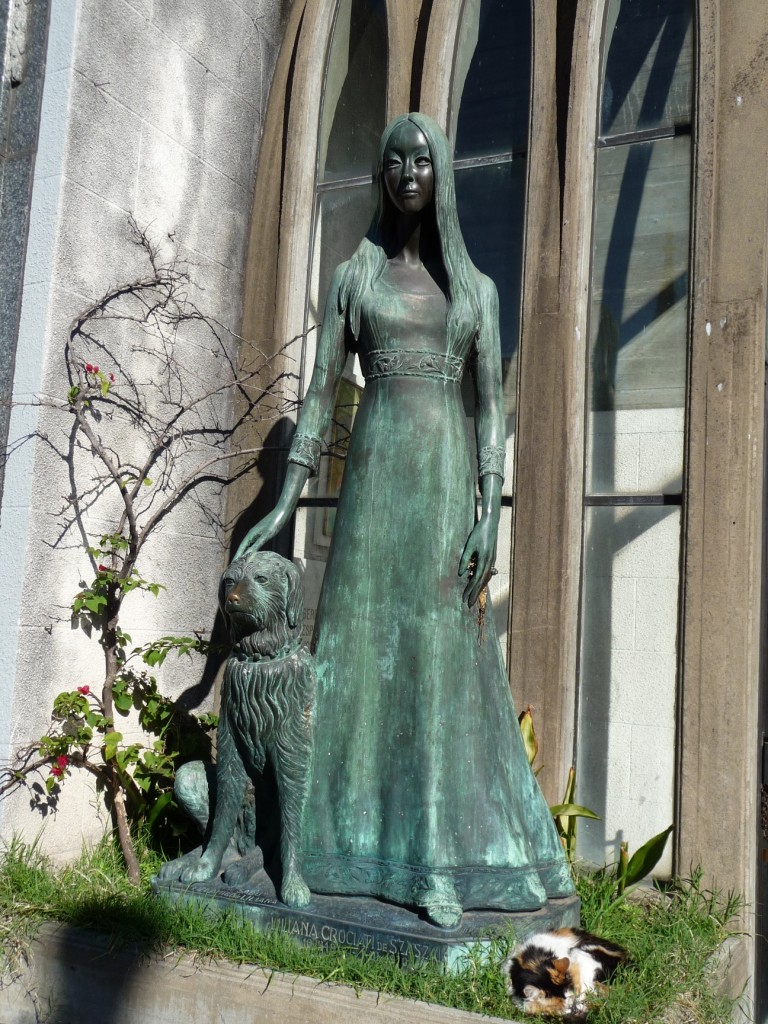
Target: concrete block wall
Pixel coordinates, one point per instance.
(635, 451)
(151, 109)
(626, 769)
(628, 676)
(628, 673)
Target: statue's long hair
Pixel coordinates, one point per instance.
(370, 258)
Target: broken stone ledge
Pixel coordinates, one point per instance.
(75, 977)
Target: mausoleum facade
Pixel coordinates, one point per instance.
(612, 178)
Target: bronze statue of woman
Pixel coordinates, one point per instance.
(421, 792)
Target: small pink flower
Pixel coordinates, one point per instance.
(95, 369)
(89, 368)
(62, 760)
(85, 690)
(103, 568)
(112, 378)
(57, 771)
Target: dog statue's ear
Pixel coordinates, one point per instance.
(294, 604)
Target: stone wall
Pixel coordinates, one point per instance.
(149, 110)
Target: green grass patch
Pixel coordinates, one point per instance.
(670, 935)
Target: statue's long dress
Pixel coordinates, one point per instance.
(419, 775)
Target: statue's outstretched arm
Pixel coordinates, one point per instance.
(480, 549)
(314, 420)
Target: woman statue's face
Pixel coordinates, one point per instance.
(407, 169)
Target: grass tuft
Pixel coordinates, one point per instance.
(671, 937)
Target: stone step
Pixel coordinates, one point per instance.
(75, 977)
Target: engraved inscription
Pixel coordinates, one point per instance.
(353, 938)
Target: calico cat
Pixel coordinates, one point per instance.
(553, 972)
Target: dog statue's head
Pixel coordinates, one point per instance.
(261, 598)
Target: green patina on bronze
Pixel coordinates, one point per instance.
(420, 789)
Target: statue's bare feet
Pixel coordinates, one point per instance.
(294, 891)
(242, 870)
(441, 904)
(444, 915)
(172, 871)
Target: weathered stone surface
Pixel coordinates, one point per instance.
(74, 976)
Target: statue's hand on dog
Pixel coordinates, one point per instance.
(267, 705)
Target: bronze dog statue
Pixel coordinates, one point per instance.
(267, 703)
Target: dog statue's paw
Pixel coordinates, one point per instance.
(242, 870)
(172, 871)
(203, 870)
(294, 891)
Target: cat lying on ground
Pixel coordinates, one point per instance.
(552, 972)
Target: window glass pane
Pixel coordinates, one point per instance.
(491, 78)
(310, 552)
(648, 70)
(635, 451)
(355, 93)
(638, 334)
(343, 215)
(347, 402)
(491, 204)
(314, 526)
(488, 123)
(626, 760)
(639, 318)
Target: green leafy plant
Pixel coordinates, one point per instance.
(629, 871)
(567, 812)
(142, 439)
(634, 869)
(83, 736)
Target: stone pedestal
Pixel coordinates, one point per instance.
(360, 922)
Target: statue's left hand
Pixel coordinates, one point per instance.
(480, 549)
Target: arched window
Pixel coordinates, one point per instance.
(636, 392)
(485, 103)
(596, 223)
